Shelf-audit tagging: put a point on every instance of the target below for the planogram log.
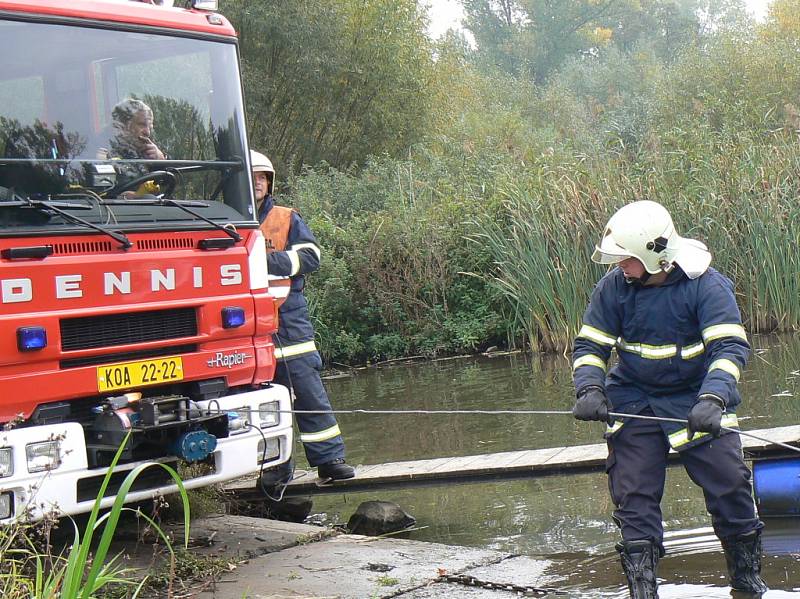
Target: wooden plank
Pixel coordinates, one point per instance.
(580, 456)
(366, 469)
(533, 462)
(781, 434)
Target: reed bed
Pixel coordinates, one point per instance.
(737, 195)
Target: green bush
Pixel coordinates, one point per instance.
(393, 277)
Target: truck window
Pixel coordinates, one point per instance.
(117, 122)
(22, 99)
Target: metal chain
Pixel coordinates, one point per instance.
(520, 590)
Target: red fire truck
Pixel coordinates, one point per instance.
(134, 292)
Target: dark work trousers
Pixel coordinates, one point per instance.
(636, 468)
(319, 433)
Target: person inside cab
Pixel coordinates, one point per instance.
(132, 133)
(130, 138)
(292, 253)
(681, 349)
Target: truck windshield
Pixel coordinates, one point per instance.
(123, 125)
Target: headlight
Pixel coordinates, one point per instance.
(268, 414)
(6, 505)
(273, 450)
(239, 420)
(43, 456)
(6, 462)
(236, 424)
(245, 413)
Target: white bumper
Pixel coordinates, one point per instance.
(57, 490)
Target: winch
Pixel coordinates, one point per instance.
(194, 446)
(154, 423)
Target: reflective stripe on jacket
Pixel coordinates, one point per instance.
(298, 256)
(674, 342)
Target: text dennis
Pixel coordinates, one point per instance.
(71, 286)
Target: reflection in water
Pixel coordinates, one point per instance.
(782, 536)
(564, 518)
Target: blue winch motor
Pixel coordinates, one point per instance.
(194, 445)
(776, 484)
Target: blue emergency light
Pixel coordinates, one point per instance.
(31, 338)
(232, 317)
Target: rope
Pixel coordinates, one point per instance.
(532, 412)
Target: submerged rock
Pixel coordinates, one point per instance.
(373, 518)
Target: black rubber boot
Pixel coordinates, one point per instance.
(335, 470)
(743, 556)
(639, 562)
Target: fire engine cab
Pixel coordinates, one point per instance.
(134, 293)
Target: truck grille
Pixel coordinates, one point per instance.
(170, 243)
(91, 332)
(82, 247)
(150, 478)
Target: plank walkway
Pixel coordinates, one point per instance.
(508, 464)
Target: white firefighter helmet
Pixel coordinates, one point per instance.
(262, 164)
(644, 230)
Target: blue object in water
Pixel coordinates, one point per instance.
(194, 445)
(777, 486)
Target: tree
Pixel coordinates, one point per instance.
(535, 37)
(783, 19)
(334, 81)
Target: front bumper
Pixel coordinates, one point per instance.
(35, 495)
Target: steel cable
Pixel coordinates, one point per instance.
(529, 412)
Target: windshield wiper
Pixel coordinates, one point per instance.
(183, 205)
(231, 232)
(57, 207)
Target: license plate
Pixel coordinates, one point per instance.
(127, 375)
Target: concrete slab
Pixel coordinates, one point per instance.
(351, 567)
(243, 537)
(283, 560)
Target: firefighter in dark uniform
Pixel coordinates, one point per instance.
(292, 253)
(681, 348)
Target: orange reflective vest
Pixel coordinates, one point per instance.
(276, 233)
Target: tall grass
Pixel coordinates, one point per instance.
(737, 194)
(537, 247)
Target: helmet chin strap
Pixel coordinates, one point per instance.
(666, 268)
(640, 280)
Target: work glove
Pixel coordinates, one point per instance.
(706, 416)
(592, 404)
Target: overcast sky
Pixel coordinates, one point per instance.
(447, 13)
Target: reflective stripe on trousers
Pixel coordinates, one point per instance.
(636, 469)
(320, 434)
